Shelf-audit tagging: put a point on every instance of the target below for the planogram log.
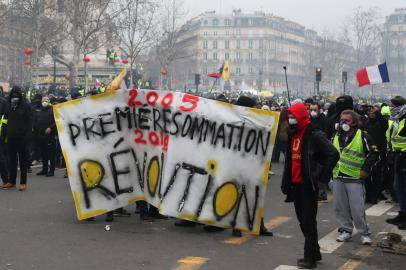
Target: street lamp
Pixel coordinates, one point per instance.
(54, 54)
(86, 60)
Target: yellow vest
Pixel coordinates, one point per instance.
(352, 157)
(399, 142)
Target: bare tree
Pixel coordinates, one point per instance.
(363, 32)
(136, 28)
(40, 25)
(169, 48)
(86, 24)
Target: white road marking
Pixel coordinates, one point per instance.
(286, 267)
(328, 244)
(379, 209)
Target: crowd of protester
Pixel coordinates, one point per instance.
(355, 150)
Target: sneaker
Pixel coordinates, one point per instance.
(366, 240)
(344, 237)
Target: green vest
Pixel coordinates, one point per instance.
(102, 89)
(3, 121)
(82, 92)
(399, 142)
(352, 157)
(389, 134)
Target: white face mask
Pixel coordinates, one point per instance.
(15, 100)
(313, 114)
(345, 127)
(292, 121)
(45, 104)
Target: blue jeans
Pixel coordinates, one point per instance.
(400, 187)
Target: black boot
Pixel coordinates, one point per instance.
(263, 230)
(185, 223)
(402, 226)
(401, 217)
(306, 264)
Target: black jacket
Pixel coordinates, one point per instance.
(319, 122)
(376, 128)
(3, 112)
(19, 118)
(44, 119)
(318, 159)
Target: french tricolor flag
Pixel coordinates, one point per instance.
(373, 75)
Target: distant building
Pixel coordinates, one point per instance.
(394, 49)
(257, 46)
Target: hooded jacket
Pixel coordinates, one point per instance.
(45, 119)
(19, 117)
(342, 103)
(318, 155)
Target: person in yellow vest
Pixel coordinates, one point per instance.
(358, 156)
(397, 136)
(3, 138)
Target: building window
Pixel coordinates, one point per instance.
(205, 44)
(227, 22)
(251, 70)
(250, 21)
(261, 44)
(227, 33)
(227, 44)
(214, 44)
(238, 32)
(238, 44)
(214, 56)
(226, 56)
(250, 56)
(238, 70)
(205, 56)
(215, 33)
(215, 22)
(251, 44)
(238, 55)
(205, 22)
(205, 34)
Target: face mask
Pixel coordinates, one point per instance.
(15, 100)
(313, 114)
(45, 104)
(345, 127)
(292, 121)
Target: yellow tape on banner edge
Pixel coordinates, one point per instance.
(103, 95)
(67, 163)
(80, 214)
(265, 176)
(67, 103)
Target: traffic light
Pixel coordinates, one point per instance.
(318, 74)
(197, 79)
(345, 77)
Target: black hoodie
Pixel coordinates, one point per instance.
(342, 103)
(19, 117)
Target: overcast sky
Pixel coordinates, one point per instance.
(315, 14)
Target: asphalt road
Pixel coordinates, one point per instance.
(39, 230)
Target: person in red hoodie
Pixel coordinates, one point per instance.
(310, 159)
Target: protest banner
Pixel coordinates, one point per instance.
(193, 158)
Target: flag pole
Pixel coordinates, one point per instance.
(214, 83)
(287, 85)
(372, 92)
